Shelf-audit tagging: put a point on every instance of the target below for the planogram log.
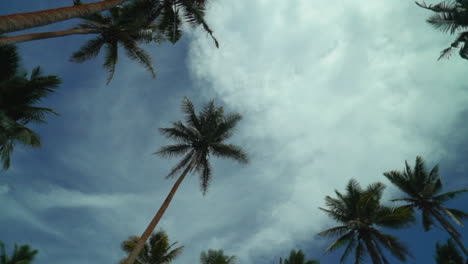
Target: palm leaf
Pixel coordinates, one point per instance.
(89, 50)
(229, 151)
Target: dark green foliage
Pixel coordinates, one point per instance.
(298, 257)
(200, 136)
(19, 95)
(448, 254)
(423, 192)
(451, 17)
(216, 257)
(21, 255)
(139, 21)
(360, 213)
(157, 250)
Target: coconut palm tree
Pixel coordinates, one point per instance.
(15, 22)
(202, 135)
(157, 251)
(360, 214)
(21, 255)
(18, 98)
(115, 29)
(423, 192)
(298, 257)
(448, 254)
(216, 257)
(159, 17)
(451, 18)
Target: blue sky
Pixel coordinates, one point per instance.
(329, 91)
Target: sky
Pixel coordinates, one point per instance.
(328, 91)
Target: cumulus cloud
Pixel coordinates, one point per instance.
(329, 90)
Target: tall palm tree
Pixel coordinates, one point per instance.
(21, 255)
(298, 257)
(15, 22)
(216, 257)
(18, 98)
(160, 17)
(423, 191)
(202, 135)
(448, 253)
(451, 18)
(360, 213)
(157, 251)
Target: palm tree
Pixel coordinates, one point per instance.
(202, 135)
(451, 18)
(18, 97)
(157, 251)
(298, 257)
(15, 22)
(448, 253)
(116, 28)
(21, 255)
(423, 191)
(360, 213)
(160, 17)
(216, 257)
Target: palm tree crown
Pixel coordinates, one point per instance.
(448, 253)
(216, 257)
(21, 255)
(298, 257)
(423, 191)
(18, 98)
(202, 135)
(360, 213)
(157, 251)
(451, 18)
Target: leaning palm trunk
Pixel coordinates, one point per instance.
(45, 35)
(450, 229)
(16, 22)
(141, 242)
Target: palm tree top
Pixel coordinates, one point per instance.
(200, 136)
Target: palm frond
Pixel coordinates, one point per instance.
(110, 59)
(195, 15)
(341, 241)
(190, 115)
(391, 243)
(396, 217)
(186, 161)
(89, 50)
(442, 198)
(138, 54)
(335, 231)
(229, 151)
(9, 62)
(173, 150)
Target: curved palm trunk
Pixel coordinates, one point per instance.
(450, 229)
(16, 22)
(45, 35)
(372, 252)
(141, 242)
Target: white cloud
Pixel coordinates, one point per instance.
(329, 91)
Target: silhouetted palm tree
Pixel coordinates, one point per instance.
(451, 18)
(360, 214)
(202, 135)
(157, 251)
(423, 192)
(18, 98)
(448, 254)
(21, 255)
(216, 257)
(298, 257)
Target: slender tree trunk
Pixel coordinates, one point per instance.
(450, 229)
(44, 35)
(372, 252)
(141, 242)
(16, 22)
